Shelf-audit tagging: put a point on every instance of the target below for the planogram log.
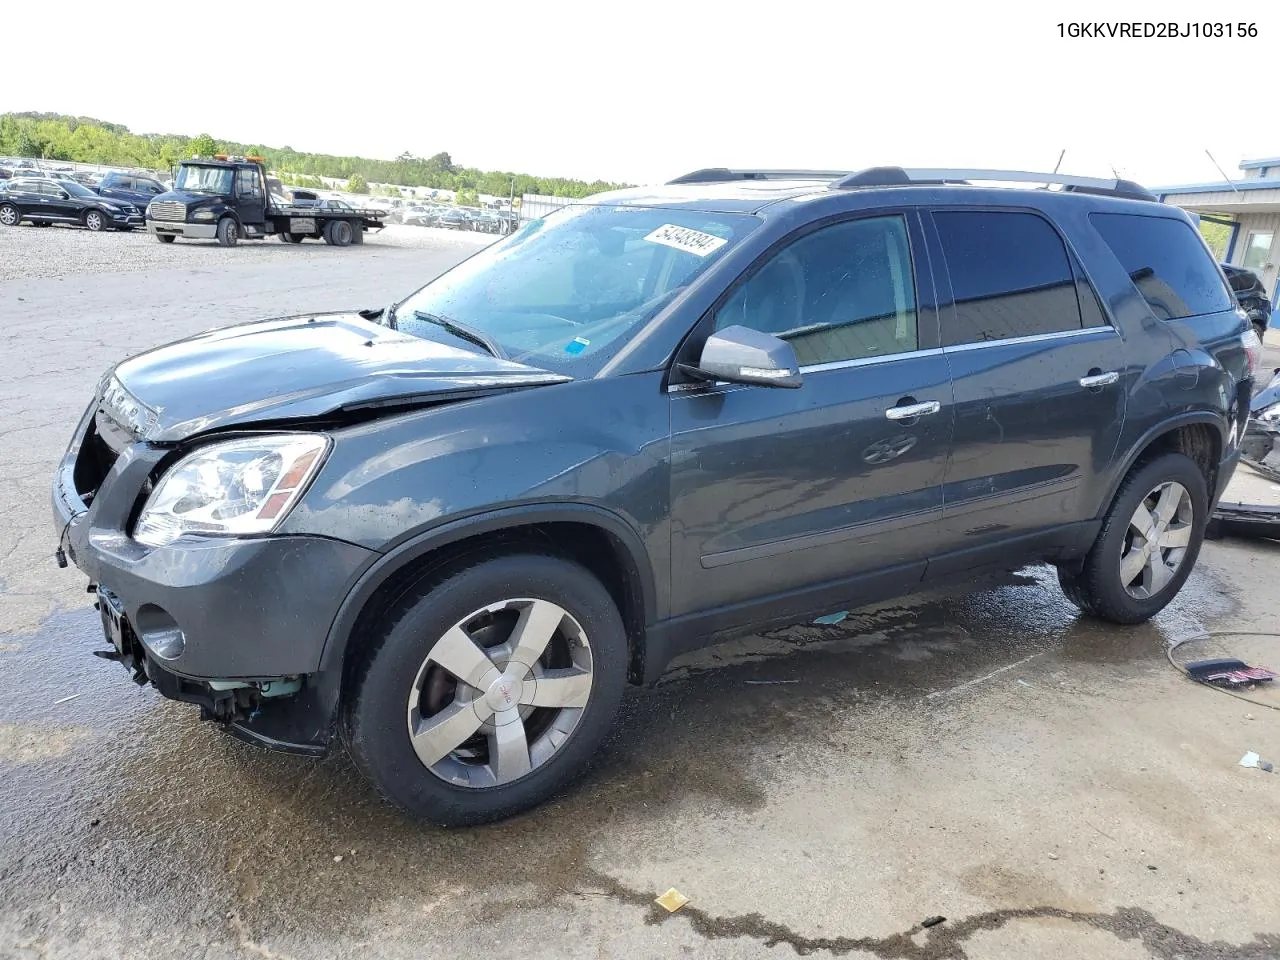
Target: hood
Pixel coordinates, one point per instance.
(296, 368)
(182, 196)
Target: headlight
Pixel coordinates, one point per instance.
(1269, 415)
(231, 489)
(204, 215)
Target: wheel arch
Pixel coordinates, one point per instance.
(1198, 434)
(600, 540)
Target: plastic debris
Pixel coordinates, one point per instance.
(1251, 759)
(1228, 673)
(66, 699)
(672, 900)
(767, 682)
(338, 858)
(831, 618)
(932, 922)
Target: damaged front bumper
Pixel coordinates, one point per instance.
(1250, 506)
(234, 625)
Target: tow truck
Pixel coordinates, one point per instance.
(226, 198)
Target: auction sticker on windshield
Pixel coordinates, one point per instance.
(683, 238)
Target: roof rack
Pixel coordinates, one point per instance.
(725, 175)
(900, 177)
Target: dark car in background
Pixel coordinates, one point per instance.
(44, 201)
(1250, 294)
(451, 529)
(130, 188)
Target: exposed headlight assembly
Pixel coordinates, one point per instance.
(1269, 415)
(232, 489)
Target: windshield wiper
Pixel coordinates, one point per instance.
(462, 331)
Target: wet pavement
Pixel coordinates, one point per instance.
(1048, 784)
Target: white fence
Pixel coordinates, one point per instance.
(534, 206)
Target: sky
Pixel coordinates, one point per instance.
(644, 91)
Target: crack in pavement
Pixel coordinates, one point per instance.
(945, 941)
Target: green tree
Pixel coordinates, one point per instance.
(467, 197)
(1216, 236)
(204, 146)
(357, 184)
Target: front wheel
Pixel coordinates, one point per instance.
(95, 221)
(487, 689)
(228, 232)
(1148, 543)
(165, 237)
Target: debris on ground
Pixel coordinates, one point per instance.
(1251, 759)
(932, 922)
(832, 618)
(66, 699)
(672, 900)
(767, 682)
(1228, 672)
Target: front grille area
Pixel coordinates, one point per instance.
(93, 463)
(168, 210)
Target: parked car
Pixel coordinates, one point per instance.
(44, 201)
(128, 188)
(451, 530)
(1250, 294)
(452, 218)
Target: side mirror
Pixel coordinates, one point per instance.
(64, 195)
(739, 354)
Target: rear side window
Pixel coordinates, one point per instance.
(1010, 276)
(1167, 262)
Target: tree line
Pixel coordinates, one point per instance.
(54, 136)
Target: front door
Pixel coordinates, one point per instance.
(1040, 384)
(250, 196)
(795, 496)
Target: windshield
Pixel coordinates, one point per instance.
(564, 292)
(204, 180)
(75, 189)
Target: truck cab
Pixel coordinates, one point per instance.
(226, 199)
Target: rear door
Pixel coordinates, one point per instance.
(1040, 385)
(796, 497)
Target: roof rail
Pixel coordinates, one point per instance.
(898, 176)
(725, 175)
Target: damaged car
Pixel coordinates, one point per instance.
(451, 530)
(1251, 506)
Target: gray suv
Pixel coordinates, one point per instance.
(451, 530)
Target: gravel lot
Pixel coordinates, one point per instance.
(29, 252)
(1047, 784)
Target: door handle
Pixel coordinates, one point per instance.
(1096, 380)
(913, 410)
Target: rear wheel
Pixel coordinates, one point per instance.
(487, 688)
(165, 237)
(228, 232)
(290, 238)
(95, 220)
(1148, 543)
(9, 215)
(340, 233)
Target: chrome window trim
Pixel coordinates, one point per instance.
(867, 361)
(1036, 338)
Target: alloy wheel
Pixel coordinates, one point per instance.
(500, 693)
(1156, 542)
(93, 220)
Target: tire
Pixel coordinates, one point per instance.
(1172, 491)
(357, 234)
(228, 232)
(166, 237)
(326, 233)
(397, 681)
(340, 233)
(290, 238)
(95, 221)
(10, 216)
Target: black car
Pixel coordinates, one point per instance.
(130, 188)
(451, 530)
(44, 201)
(1250, 294)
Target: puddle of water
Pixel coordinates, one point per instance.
(145, 797)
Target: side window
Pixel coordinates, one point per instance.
(122, 183)
(1010, 276)
(149, 186)
(248, 184)
(844, 292)
(1167, 262)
